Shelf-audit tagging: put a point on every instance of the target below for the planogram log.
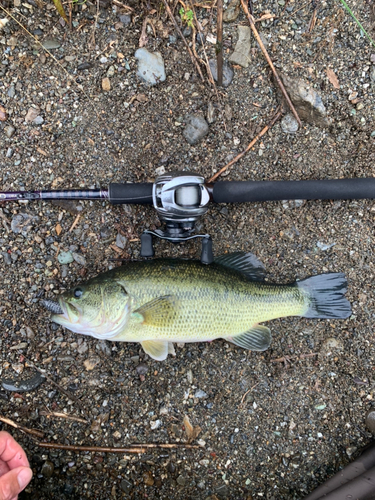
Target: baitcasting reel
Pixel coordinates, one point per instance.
(179, 198)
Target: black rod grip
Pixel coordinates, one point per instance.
(335, 189)
(137, 193)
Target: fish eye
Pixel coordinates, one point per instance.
(78, 293)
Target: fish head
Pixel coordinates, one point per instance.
(97, 308)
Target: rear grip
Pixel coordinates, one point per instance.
(138, 193)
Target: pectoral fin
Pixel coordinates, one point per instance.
(158, 312)
(258, 338)
(156, 349)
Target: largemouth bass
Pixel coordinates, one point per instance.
(161, 301)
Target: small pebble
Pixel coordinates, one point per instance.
(47, 469)
(196, 128)
(200, 394)
(289, 124)
(370, 420)
(51, 44)
(142, 369)
(9, 131)
(106, 84)
(65, 257)
(79, 259)
(155, 424)
(121, 241)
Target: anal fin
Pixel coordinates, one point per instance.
(258, 338)
(156, 349)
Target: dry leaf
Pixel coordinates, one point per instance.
(191, 432)
(332, 78)
(58, 229)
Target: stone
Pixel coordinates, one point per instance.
(241, 54)
(370, 420)
(231, 13)
(47, 469)
(21, 223)
(372, 74)
(200, 39)
(79, 258)
(125, 19)
(150, 66)
(289, 124)
(65, 257)
(196, 128)
(210, 112)
(9, 131)
(106, 84)
(306, 100)
(31, 114)
(200, 394)
(51, 44)
(126, 486)
(228, 72)
(121, 241)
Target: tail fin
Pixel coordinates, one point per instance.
(326, 296)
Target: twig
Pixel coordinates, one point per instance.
(63, 415)
(75, 223)
(34, 432)
(312, 21)
(247, 392)
(284, 359)
(123, 6)
(265, 53)
(240, 155)
(195, 62)
(133, 448)
(219, 43)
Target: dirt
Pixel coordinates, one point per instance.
(274, 425)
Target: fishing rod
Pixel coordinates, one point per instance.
(180, 198)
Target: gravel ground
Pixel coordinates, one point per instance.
(269, 429)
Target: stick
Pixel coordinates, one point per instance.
(62, 415)
(195, 62)
(219, 43)
(284, 359)
(240, 155)
(133, 448)
(75, 223)
(34, 432)
(265, 53)
(247, 392)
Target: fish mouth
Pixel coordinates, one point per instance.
(52, 306)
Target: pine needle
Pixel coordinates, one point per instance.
(346, 6)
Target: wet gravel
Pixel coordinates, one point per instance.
(269, 429)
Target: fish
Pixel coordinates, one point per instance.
(162, 301)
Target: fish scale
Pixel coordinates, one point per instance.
(212, 300)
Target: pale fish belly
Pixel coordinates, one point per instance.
(207, 318)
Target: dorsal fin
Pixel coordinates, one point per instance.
(245, 263)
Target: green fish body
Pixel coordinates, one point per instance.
(162, 301)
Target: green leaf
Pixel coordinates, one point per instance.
(60, 10)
